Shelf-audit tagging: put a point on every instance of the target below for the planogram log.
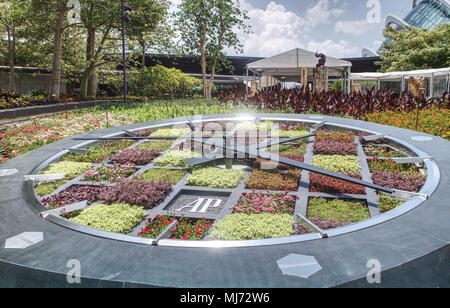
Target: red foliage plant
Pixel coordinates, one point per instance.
(332, 147)
(77, 193)
(322, 183)
(134, 157)
(400, 181)
(142, 193)
(268, 165)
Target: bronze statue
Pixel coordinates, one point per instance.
(322, 60)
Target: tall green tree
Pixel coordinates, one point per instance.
(11, 21)
(414, 49)
(207, 28)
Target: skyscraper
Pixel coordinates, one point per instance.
(425, 14)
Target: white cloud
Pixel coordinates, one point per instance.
(352, 27)
(277, 29)
(339, 49)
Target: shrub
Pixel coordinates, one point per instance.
(71, 169)
(172, 176)
(44, 189)
(338, 210)
(160, 146)
(215, 177)
(337, 163)
(390, 166)
(288, 149)
(274, 180)
(99, 153)
(266, 164)
(331, 147)
(175, 158)
(109, 174)
(322, 183)
(241, 226)
(172, 132)
(322, 135)
(256, 203)
(400, 181)
(134, 157)
(381, 151)
(77, 193)
(387, 203)
(118, 218)
(142, 193)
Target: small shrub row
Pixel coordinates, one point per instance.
(135, 157)
(160, 146)
(387, 203)
(274, 180)
(400, 181)
(141, 193)
(77, 193)
(338, 210)
(118, 218)
(43, 189)
(175, 158)
(185, 229)
(269, 165)
(98, 153)
(334, 136)
(256, 203)
(332, 147)
(71, 169)
(109, 174)
(172, 176)
(390, 166)
(171, 132)
(241, 226)
(215, 177)
(337, 163)
(381, 151)
(322, 183)
(288, 149)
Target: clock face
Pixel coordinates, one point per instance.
(232, 179)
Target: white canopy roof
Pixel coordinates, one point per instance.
(399, 75)
(289, 64)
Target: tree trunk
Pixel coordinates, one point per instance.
(55, 87)
(87, 84)
(11, 58)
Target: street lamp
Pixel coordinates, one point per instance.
(125, 19)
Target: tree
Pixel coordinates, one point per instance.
(10, 21)
(207, 27)
(414, 49)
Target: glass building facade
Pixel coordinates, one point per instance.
(429, 14)
(426, 14)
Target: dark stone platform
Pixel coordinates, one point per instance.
(413, 248)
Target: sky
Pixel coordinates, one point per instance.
(338, 28)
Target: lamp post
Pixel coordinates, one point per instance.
(125, 19)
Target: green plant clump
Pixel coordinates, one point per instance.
(215, 177)
(171, 132)
(175, 158)
(99, 153)
(337, 163)
(241, 226)
(117, 218)
(161, 146)
(387, 203)
(288, 149)
(293, 134)
(172, 176)
(44, 189)
(71, 169)
(337, 210)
